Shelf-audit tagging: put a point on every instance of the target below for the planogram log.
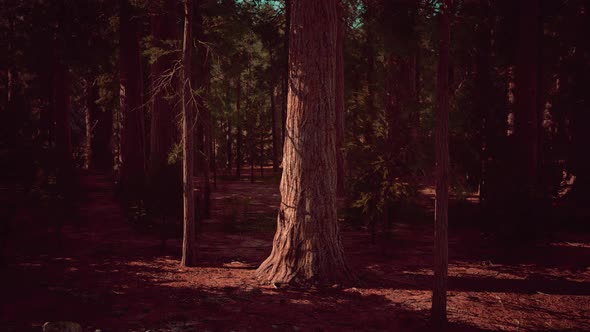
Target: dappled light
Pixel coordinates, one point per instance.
(294, 165)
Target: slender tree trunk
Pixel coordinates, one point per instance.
(162, 117)
(483, 88)
(392, 100)
(370, 57)
(88, 124)
(252, 154)
(98, 125)
(214, 159)
(275, 137)
(340, 103)
(229, 144)
(207, 133)
(394, 92)
(203, 136)
(228, 136)
(63, 133)
(261, 160)
(239, 133)
(273, 121)
(413, 98)
(188, 241)
(46, 77)
(133, 138)
(439, 295)
(307, 247)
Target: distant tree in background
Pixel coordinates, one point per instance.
(439, 296)
(188, 125)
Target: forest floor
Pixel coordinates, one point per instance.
(104, 274)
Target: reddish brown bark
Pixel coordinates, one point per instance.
(285, 81)
(307, 248)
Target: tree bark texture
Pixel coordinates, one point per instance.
(307, 247)
(285, 82)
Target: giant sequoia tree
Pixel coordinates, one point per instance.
(307, 247)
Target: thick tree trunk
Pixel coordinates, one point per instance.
(439, 295)
(307, 247)
(188, 240)
(340, 103)
(162, 119)
(132, 136)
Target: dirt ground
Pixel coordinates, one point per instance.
(106, 275)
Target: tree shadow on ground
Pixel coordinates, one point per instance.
(124, 294)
